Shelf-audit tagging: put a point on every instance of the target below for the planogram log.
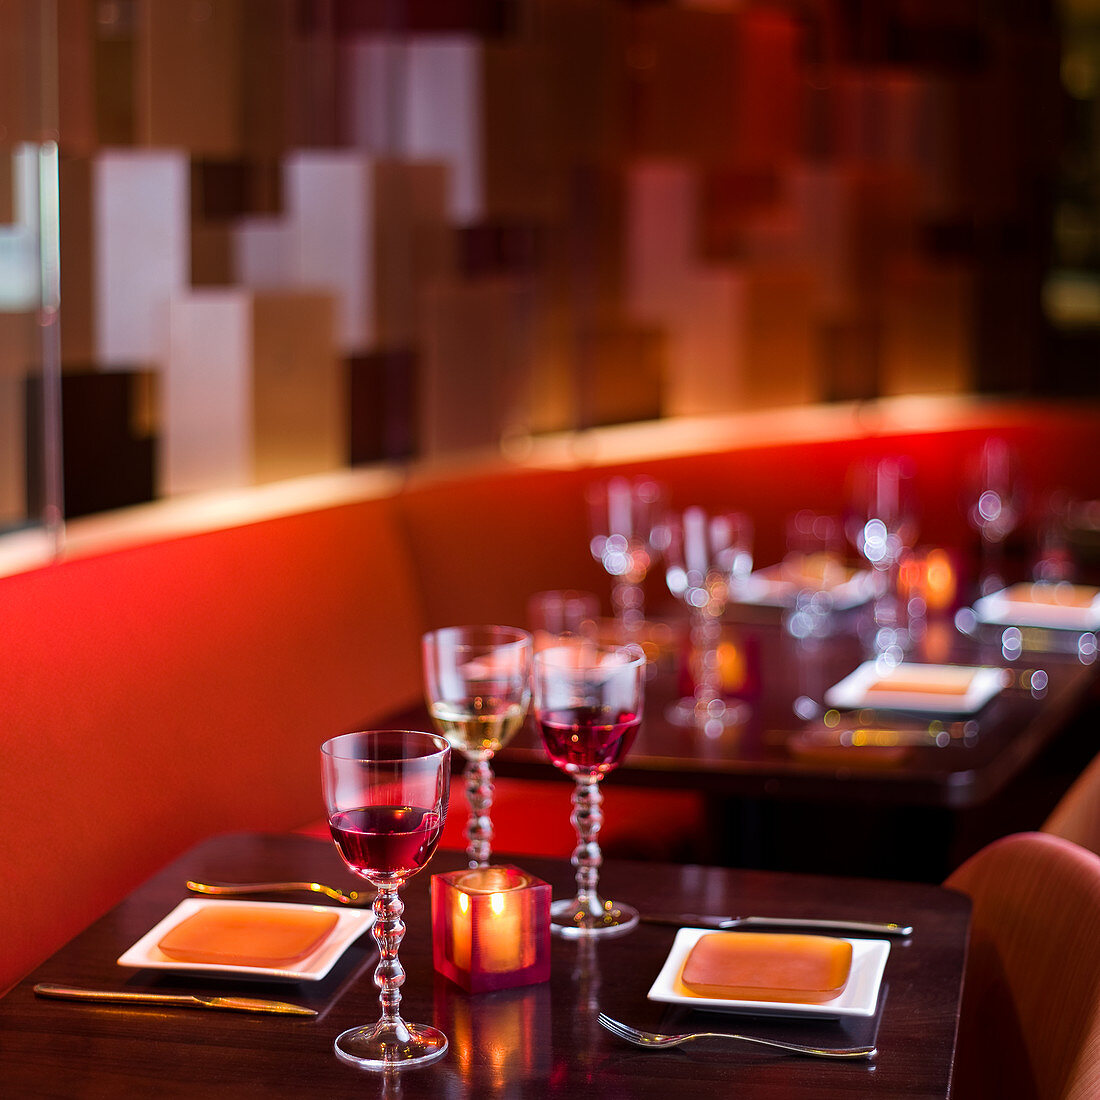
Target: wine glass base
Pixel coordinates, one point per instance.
(718, 715)
(389, 1046)
(573, 920)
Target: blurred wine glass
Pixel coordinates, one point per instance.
(994, 509)
(557, 613)
(707, 559)
(623, 513)
(814, 567)
(882, 525)
(1054, 560)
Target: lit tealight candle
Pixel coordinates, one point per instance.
(491, 927)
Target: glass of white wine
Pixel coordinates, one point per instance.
(478, 683)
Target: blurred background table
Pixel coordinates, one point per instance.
(540, 1040)
(784, 792)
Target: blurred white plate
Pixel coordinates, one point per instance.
(1000, 609)
(350, 925)
(770, 587)
(858, 688)
(859, 997)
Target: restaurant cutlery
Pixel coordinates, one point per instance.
(178, 1000)
(653, 1041)
(693, 920)
(232, 889)
(682, 920)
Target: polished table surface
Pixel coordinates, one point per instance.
(774, 753)
(538, 1041)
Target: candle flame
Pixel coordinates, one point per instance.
(496, 903)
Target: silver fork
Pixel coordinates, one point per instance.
(652, 1041)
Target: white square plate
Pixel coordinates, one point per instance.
(769, 587)
(350, 925)
(857, 688)
(999, 609)
(859, 997)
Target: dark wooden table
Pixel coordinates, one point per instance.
(539, 1041)
(772, 752)
(778, 781)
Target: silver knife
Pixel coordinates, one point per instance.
(693, 920)
(179, 1000)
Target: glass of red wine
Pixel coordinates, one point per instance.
(588, 702)
(386, 796)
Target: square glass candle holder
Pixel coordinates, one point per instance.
(491, 928)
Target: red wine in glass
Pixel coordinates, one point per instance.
(588, 740)
(386, 840)
(588, 704)
(386, 795)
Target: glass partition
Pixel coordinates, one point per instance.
(30, 487)
(303, 235)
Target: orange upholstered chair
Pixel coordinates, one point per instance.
(1077, 815)
(1030, 1025)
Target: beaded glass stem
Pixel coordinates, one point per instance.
(586, 908)
(386, 796)
(479, 797)
(588, 701)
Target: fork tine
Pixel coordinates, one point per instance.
(618, 1028)
(632, 1034)
(610, 1024)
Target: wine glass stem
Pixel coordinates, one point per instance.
(587, 818)
(627, 600)
(479, 797)
(889, 606)
(992, 565)
(705, 634)
(389, 931)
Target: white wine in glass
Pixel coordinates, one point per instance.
(477, 683)
(483, 724)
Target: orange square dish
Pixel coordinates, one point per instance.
(761, 966)
(237, 935)
(1053, 595)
